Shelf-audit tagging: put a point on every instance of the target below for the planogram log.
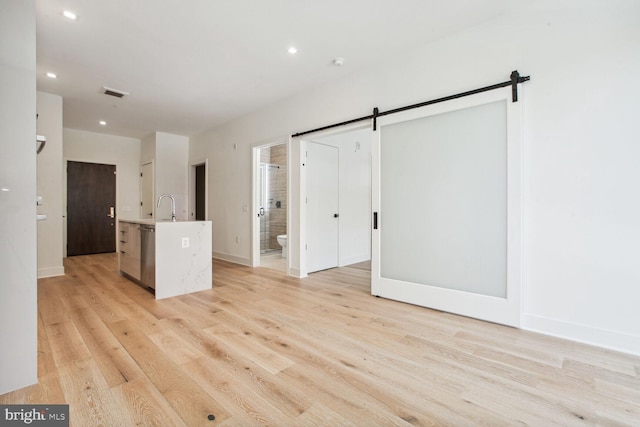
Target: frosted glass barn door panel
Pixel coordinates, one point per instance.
(443, 196)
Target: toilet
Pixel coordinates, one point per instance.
(282, 241)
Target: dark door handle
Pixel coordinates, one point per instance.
(336, 215)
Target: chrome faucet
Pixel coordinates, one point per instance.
(173, 205)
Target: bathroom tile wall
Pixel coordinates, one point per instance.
(277, 218)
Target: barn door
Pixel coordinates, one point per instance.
(447, 203)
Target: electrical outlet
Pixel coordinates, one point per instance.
(185, 242)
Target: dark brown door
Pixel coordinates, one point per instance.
(91, 204)
(200, 192)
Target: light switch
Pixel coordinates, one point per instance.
(185, 242)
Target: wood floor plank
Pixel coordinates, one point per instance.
(113, 306)
(261, 348)
(67, 345)
(188, 399)
(47, 391)
(46, 362)
(622, 392)
(146, 405)
(321, 415)
(394, 377)
(180, 350)
(247, 377)
(89, 397)
(256, 352)
(226, 382)
(113, 360)
(49, 292)
(108, 313)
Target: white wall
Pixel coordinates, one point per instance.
(172, 173)
(50, 178)
(89, 147)
(148, 149)
(18, 247)
(170, 156)
(229, 186)
(582, 234)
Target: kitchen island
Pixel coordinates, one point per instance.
(174, 258)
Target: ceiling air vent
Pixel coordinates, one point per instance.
(114, 92)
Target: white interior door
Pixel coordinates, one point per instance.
(322, 207)
(447, 195)
(146, 191)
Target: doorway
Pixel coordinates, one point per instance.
(352, 177)
(200, 193)
(198, 199)
(91, 207)
(147, 196)
(271, 195)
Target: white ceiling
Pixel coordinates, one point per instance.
(191, 65)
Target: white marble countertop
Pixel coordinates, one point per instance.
(153, 221)
(182, 256)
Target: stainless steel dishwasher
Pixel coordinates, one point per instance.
(148, 255)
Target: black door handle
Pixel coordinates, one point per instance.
(335, 215)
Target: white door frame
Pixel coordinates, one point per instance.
(255, 203)
(153, 190)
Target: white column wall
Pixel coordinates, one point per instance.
(18, 245)
(50, 179)
(581, 210)
(172, 173)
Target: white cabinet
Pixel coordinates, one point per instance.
(129, 249)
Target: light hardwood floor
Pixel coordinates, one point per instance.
(261, 348)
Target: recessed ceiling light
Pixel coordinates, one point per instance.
(292, 50)
(52, 75)
(70, 15)
(103, 123)
(4, 189)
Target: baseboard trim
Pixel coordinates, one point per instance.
(232, 258)
(612, 340)
(295, 272)
(50, 272)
